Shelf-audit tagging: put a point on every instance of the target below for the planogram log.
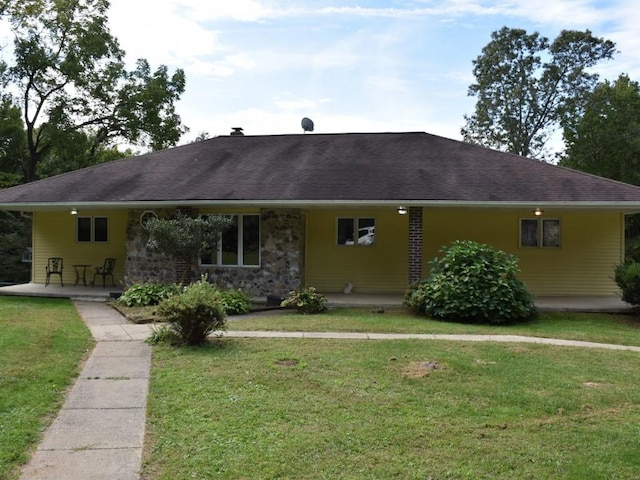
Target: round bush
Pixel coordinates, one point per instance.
(306, 301)
(472, 282)
(627, 277)
(195, 313)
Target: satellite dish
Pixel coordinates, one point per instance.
(307, 124)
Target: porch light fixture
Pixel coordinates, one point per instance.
(402, 210)
(538, 213)
(74, 211)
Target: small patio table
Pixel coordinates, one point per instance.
(81, 273)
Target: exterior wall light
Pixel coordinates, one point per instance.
(74, 211)
(538, 213)
(402, 210)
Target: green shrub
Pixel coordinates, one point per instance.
(194, 313)
(627, 277)
(306, 301)
(235, 302)
(632, 250)
(472, 282)
(147, 294)
(162, 333)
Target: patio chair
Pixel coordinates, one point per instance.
(105, 271)
(54, 267)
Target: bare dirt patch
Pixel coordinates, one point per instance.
(287, 362)
(594, 384)
(420, 369)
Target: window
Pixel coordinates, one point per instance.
(356, 231)
(92, 229)
(540, 233)
(239, 245)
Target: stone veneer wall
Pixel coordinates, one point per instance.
(143, 264)
(282, 241)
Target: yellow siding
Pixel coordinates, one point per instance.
(381, 268)
(592, 244)
(54, 235)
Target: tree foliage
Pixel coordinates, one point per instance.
(527, 86)
(184, 237)
(605, 139)
(72, 82)
(14, 238)
(13, 139)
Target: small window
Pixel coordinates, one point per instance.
(356, 231)
(92, 229)
(540, 233)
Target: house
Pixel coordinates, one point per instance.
(328, 210)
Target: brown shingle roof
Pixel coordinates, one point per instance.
(376, 167)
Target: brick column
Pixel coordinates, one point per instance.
(415, 244)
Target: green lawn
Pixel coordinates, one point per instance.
(42, 342)
(603, 328)
(344, 409)
(316, 409)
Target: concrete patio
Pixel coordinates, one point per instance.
(56, 291)
(609, 303)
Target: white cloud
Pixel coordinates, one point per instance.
(239, 10)
(565, 14)
(293, 104)
(166, 36)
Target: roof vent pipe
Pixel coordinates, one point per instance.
(237, 131)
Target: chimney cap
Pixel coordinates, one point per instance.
(237, 131)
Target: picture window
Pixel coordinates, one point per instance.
(238, 246)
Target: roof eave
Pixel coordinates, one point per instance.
(629, 207)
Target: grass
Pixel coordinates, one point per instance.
(316, 409)
(329, 409)
(42, 342)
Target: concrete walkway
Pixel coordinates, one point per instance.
(429, 336)
(99, 433)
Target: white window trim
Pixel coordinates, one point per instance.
(92, 234)
(240, 227)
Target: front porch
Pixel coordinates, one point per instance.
(605, 304)
(79, 292)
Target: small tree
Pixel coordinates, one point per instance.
(183, 237)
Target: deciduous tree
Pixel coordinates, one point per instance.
(70, 74)
(527, 86)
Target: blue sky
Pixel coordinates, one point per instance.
(367, 66)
